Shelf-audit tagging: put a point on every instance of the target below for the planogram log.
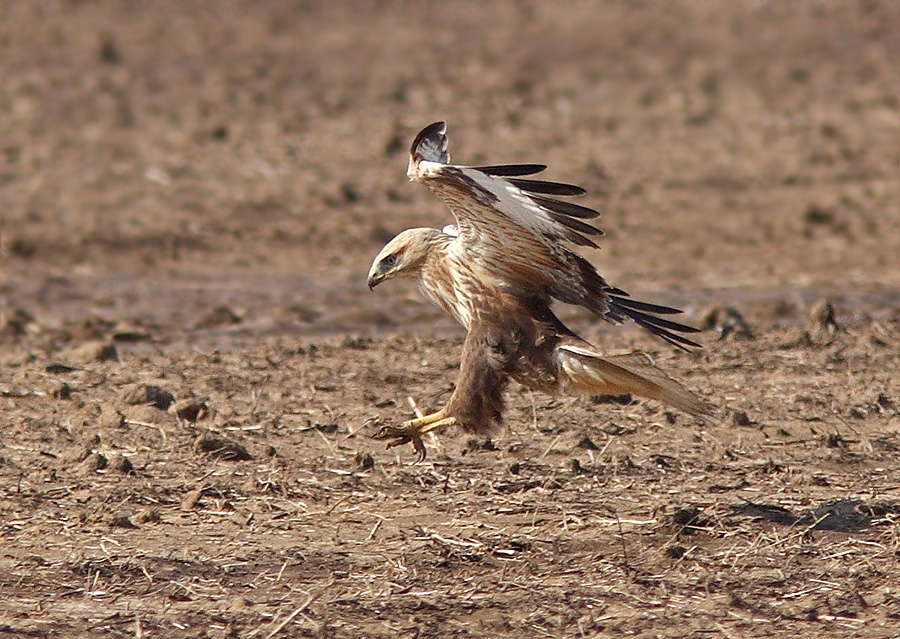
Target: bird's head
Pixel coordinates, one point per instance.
(403, 256)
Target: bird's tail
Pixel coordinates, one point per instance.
(587, 371)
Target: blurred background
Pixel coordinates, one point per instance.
(224, 169)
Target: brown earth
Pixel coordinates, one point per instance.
(191, 365)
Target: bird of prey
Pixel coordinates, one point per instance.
(497, 272)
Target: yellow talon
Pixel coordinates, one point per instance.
(412, 431)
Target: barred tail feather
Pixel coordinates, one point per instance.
(588, 372)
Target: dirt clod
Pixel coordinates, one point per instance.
(221, 447)
(365, 461)
(92, 463)
(110, 417)
(15, 322)
(149, 415)
(149, 394)
(239, 604)
(191, 499)
(190, 410)
(147, 515)
(675, 551)
(74, 455)
(62, 391)
(219, 316)
(120, 520)
(794, 337)
(740, 418)
(623, 400)
(120, 464)
(91, 352)
(821, 323)
(727, 321)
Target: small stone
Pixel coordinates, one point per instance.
(14, 358)
(250, 485)
(125, 332)
(241, 518)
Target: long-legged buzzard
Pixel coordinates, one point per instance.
(497, 272)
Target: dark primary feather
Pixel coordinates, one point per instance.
(548, 188)
(581, 229)
(511, 170)
(620, 308)
(647, 307)
(591, 291)
(565, 208)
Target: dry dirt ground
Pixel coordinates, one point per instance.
(190, 363)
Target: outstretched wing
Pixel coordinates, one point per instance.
(513, 235)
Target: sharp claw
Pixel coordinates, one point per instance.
(419, 445)
(400, 436)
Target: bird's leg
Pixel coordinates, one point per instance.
(412, 431)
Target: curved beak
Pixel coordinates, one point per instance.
(374, 280)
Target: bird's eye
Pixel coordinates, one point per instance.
(390, 260)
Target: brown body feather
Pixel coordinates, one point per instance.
(511, 337)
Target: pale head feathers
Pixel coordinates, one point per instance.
(404, 256)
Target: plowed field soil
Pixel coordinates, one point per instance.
(192, 367)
